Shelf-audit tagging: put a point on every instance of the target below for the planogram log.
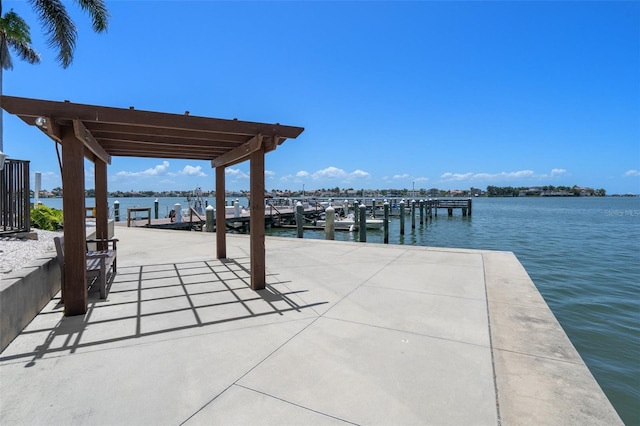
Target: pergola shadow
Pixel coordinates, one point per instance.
(160, 299)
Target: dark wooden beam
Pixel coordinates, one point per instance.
(89, 141)
(26, 107)
(73, 204)
(240, 153)
(221, 223)
(102, 209)
(256, 220)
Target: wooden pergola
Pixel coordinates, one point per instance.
(99, 133)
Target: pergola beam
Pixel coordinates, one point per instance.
(85, 136)
(239, 154)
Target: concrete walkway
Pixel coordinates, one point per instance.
(345, 333)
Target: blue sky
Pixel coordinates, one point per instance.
(391, 94)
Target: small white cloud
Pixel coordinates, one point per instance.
(236, 173)
(329, 173)
(269, 174)
(159, 170)
(360, 174)
(558, 172)
(632, 172)
(404, 176)
(302, 174)
(192, 171)
(456, 176)
(421, 179)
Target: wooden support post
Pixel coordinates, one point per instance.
(421, 212)
(469, 207)
(256, 220)
(73, 203)
(221, 219)
(102, 209)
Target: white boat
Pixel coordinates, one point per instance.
(349, 222)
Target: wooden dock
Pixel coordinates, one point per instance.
(285, 215)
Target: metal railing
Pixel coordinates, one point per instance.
(14, 197)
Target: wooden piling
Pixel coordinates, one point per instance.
(386, 222)
(299, 218)
(413, 214)
(402, 217)
(362, 228)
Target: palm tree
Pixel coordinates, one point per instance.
(58, 26)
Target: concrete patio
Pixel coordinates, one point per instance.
(344, 333)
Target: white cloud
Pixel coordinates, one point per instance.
(236, 173)
(192, 171)
(632, 172)
(269, 174)
(421, 179)
(329, 173)
(360, 174)
(404, 176)
(502, 176)
(335, 173)
(159, 170)
(456, 176)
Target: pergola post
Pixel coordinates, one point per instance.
(221, 223)
(73, 203)
(256, 219)
(102, 213)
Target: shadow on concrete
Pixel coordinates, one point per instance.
(157, 299)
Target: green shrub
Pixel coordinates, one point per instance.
(46, 218)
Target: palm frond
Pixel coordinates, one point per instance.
(98, 12)
(5, 56)
(24, 51)
(59, 28)
(15, 33)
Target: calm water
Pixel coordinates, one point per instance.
(583, 254)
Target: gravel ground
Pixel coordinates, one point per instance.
(16, 253)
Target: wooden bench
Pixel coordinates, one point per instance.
(101, 264)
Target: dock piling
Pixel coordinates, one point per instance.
(413, 214)
(210, 219)
(402, 217)
(155, 208)
(362, 229)
(386, 222)
(329, 224)
(299, 218)
(116, 210)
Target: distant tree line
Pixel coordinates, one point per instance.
(547, 190)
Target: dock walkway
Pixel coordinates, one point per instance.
(345, 333)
